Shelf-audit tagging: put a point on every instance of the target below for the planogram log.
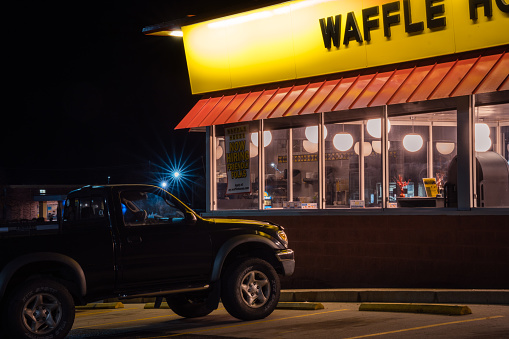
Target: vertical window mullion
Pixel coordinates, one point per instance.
(321, 164)
(385, 159)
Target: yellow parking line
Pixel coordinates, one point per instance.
(423, 327)
(125, 321)
(91, 312)
(242, 324)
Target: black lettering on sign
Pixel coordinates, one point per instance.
(331, 31)
(411, 27)
(432, 11)
(474, 4)
(390, 20)
(351, 30)
(368, 24)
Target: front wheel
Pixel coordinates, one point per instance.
(40, 309)
(189, 305)
(250, 289)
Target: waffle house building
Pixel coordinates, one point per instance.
(375, 131)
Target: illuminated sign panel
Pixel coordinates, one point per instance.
(299, 39)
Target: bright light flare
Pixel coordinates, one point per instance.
(177, 33)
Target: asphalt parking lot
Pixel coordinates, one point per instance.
(335, 320)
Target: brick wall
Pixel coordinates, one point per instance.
(432, 251)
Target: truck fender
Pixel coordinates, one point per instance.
(230, 245)
(12, 267)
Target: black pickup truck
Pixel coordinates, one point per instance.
(132, 241)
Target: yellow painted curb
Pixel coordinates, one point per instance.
(97, 306)
(299, 306)
(151, 305)
(416, 308)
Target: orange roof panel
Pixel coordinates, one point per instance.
(204, 112)
(192, 113)
(411, 84)
(397, 78)
(496, 76)
(258, 105)
(336, 94)
(354, 92)
(273, 103)
(319, 96)
(453, 79)
(435, 76)
(216, 111)
(237, 100)
(289, 101)
(369, 93)
(475, 75)
(485, 73)
(243, 107)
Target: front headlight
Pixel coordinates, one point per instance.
(282, 236)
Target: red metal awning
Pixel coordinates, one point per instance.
(482, 74)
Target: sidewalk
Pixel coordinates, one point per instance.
(399, 295)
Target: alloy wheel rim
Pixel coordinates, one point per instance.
(42, 313)
(255, 289)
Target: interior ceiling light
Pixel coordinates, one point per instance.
(445, 147)
(219, 152)
(412, 142)
(482, 137)
(374, 127)
(366, 149)
(343, 141)
(253, 150)
(267, 138)
(312, 133)
(310, 147)
(377, 145)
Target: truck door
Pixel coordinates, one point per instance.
(87, 238)
(159, 245)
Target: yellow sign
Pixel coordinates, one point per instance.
(299, 39)
(430, 184)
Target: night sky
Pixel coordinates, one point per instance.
(89, 96)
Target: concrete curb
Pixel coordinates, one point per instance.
(431, 296)
(299, 306)
(416, 308)
(99, 306)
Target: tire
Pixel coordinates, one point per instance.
(189, 305)
(40, 309)
(250, 289)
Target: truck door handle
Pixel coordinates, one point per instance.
(134, 240)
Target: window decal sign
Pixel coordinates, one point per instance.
(237, 159)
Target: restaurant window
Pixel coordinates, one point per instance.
(305, 166)
(372, 173)
(276, 169)
(226, 197)
(444, 136)
(409, 138)
(491, 152)
(342, 164)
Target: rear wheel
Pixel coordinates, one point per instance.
(190, 305)
(250, 289)
(40, 309)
